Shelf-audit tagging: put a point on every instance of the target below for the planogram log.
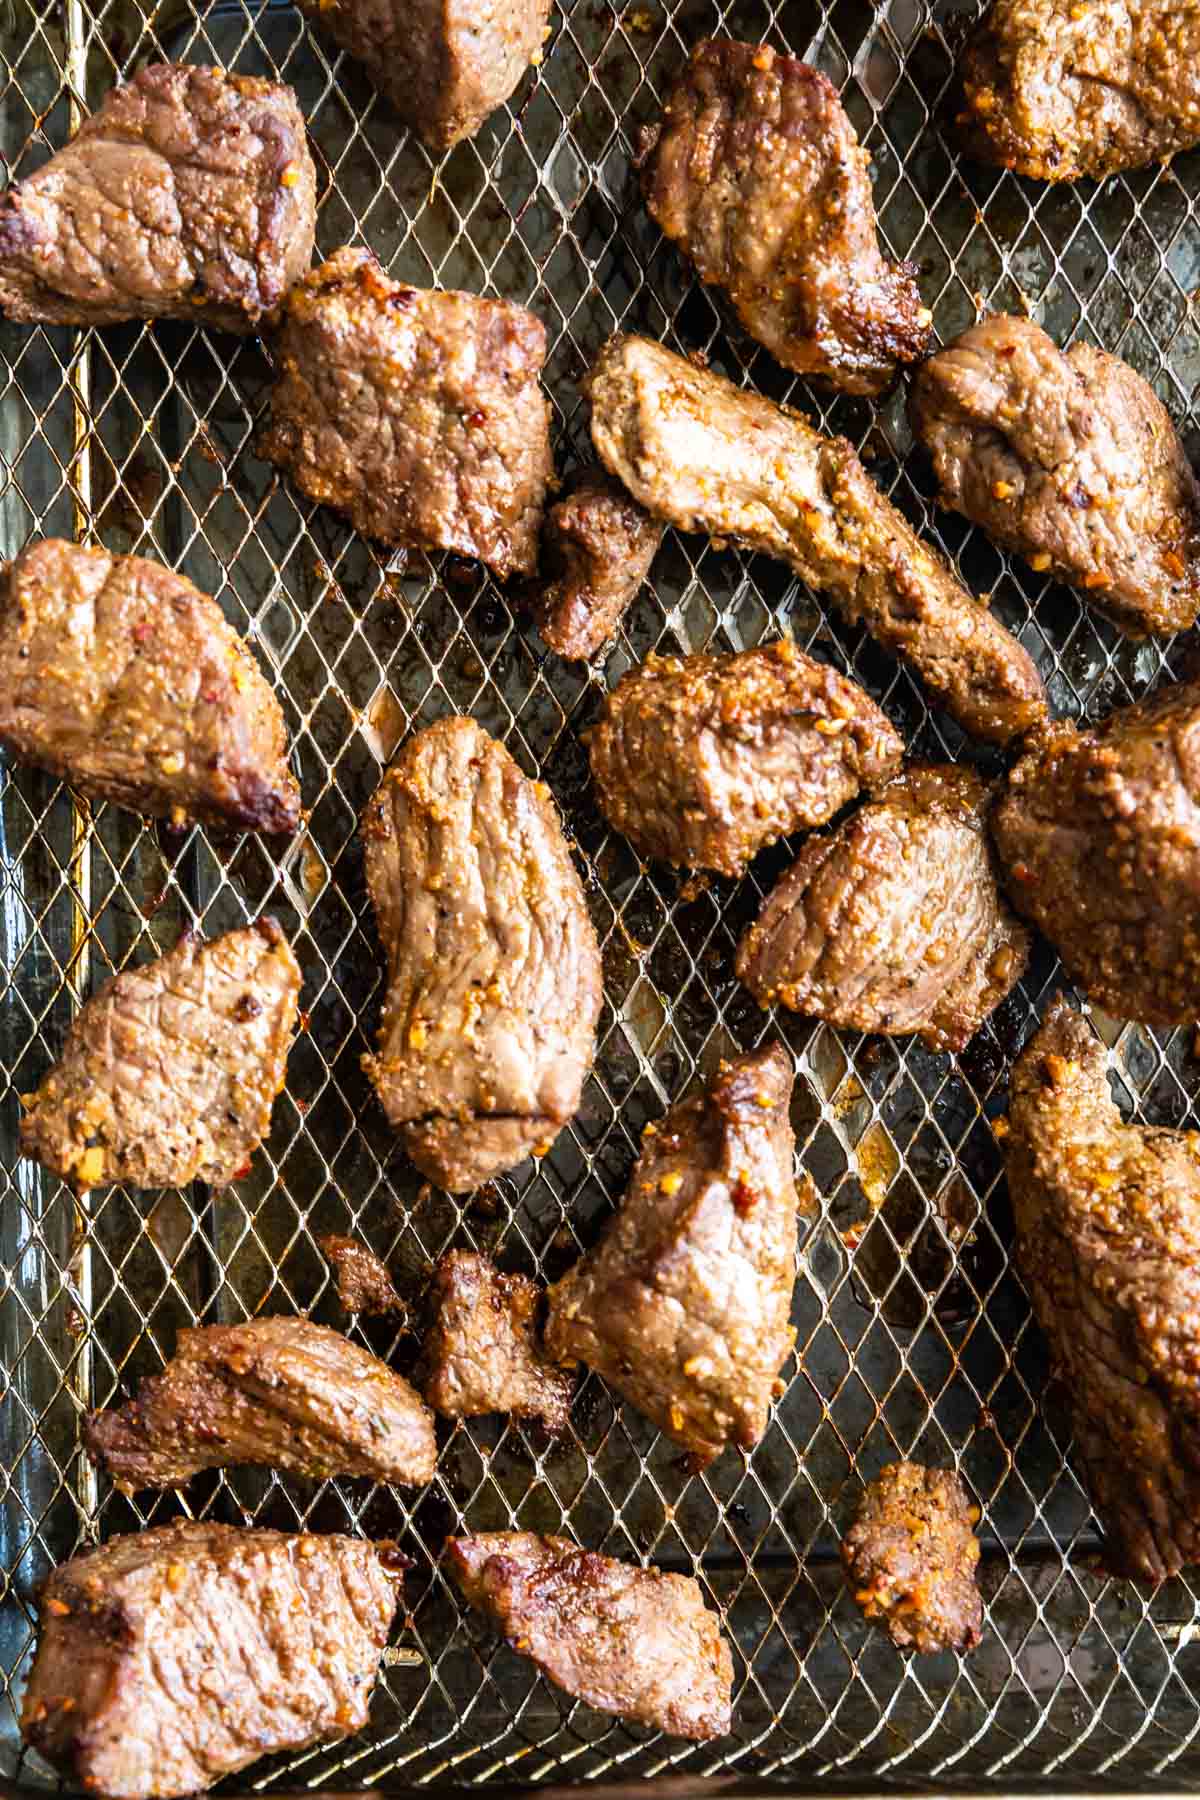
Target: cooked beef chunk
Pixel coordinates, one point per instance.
(363, 1283)
(128, 682)
(702, 760)
(174, 1656)
(1099, 836)
(1108, 1244)
(443, 65)
(893, 922)
(706, 456)
(636, 1642)
(757, 175)
(683, 1305)
(910, 1559)
(190, 194)
(482, 1355)
(1073, 461)
(417, 413)
(494, 978)
(597, 547)
(1057, 90)
(169, 1073)
(283, 1393)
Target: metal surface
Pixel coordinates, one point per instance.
(914, 1336)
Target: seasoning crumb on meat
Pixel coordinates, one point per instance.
(416, 412)
(757, 175)
(911, 1557)
(683, 1306)
(597, 548)
(704, 760)
(363, 1283)
(639, 1643)
(163, 1079)
(170, 1657)
(119, 676)
(482, 1353)
(189, 194)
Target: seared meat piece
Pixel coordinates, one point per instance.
(169, 1073)
(893, 922)
(636, 1642)
(1099, 835)
(174, 1656)
(417, 413)
(758, 176)
(190, 194)
(701, 760)
(1073, 461)
(1108, 1244)
(706, 456)
(683, 1305)
(363, 1283)
(597, 547)
(281, 1392)
(482, 1355)
(125, 680)
(443, 65)
(1056, 90)
(910, 1559)
(494, 979)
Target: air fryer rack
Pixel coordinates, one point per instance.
(914, 1336)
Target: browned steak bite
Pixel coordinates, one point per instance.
(683, 1306)
(190, 194)
(703, 760)
(597, 547)
(1099, 837)
(639, 1643)
(280, 1392)
(494, 978)
(443, 64)
(363, 1283)
(1108, 1245)
(895, 921)
(911, 1557)
(122, 678)
(757, 175)
(416, 412)
(1071, 460)
(169, 1073)
(174, 1656)
(482, 1355)
(1056, 90)
(706, 456)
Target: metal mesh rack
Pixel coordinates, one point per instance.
(914, 1336)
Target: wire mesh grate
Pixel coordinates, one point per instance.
(914, 1337)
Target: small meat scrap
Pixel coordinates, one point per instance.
(482, 1354)
(169, 1073)
(190, 194)
(757, 175)
(119, 676)
(280, 1392)
(911, 1557)
(597, 547)
(417, 413)
(704, 760)
(1071, 459)
(494, 977)
(176, 1655)
(639, 1643)
(894, 922)
(363, 1283)
(683, 1306)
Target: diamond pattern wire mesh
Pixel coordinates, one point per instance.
(914, 1337)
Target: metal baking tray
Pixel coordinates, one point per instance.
(914, 1335)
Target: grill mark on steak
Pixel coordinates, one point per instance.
(482, 1353)
(363, 1283)
(597, 548)
(910, 1559)
(757, 175)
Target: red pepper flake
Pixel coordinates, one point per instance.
(744, 1199)
(476, 419)
(141, 631)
